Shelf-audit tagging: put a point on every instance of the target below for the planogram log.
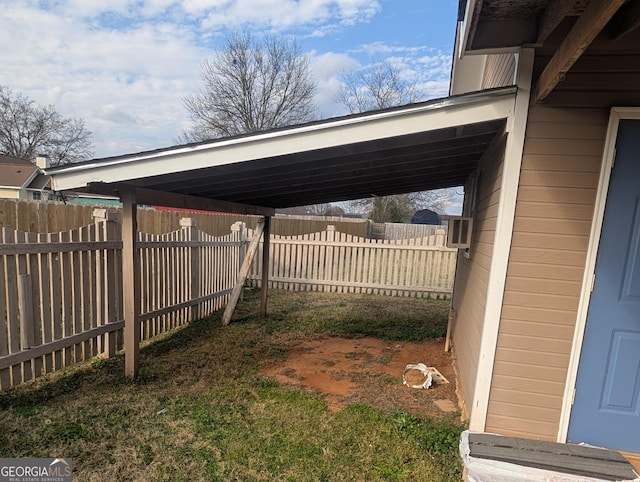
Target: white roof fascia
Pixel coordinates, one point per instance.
(467, 74)
(465, 28)
(449, 112)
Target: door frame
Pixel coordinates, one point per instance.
(616, 115)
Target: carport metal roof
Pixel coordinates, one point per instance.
(423, 146)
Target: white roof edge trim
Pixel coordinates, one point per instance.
(412, 109)
(466, 28)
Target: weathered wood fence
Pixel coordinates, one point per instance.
(61, 294)
(339, 262)
(51, 217)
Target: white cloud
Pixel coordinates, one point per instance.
(326, 69)
(108, 77)
(111, 113)
(434, 89)
(383, 49)
(281, 14)
(125, 65)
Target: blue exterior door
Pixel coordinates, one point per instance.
(606, 410)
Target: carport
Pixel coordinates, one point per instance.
(418, 147)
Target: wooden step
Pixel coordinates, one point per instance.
(563, 458)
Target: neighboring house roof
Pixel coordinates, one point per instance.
(17, 173)
(41, 181)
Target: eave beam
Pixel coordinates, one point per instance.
(552, 16)
(153, 197)
(585, 30)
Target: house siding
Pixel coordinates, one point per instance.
(554, 210)
(470, 291)
(11, 193)
(499, 71)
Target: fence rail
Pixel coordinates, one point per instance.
(339, 262)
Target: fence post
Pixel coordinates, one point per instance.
(328, 264)
(105, 223)
(130, 282)
(266, 241)
(440, 237)
(189, 225)
(240, 228)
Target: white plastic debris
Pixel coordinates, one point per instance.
(431, 375)
(422, 368)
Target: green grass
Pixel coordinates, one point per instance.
(200, 409)
(388, 318)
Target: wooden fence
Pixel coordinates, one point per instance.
(53, 217)
(396, 231)
(61, 294)
(339, 262)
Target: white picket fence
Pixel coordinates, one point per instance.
(61, 294)
(339, 262)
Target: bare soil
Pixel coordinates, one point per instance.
(369, 370)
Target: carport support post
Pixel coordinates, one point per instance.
(266, 237)
(130, 283)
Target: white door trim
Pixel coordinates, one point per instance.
(617, 114)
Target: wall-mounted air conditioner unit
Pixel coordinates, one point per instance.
(459, 232)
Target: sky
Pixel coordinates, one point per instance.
(125, 66)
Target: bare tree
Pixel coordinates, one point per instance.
(400, 208)
(380, 86)
(28, 130)
(377, 86)
(318, 209)
(324, 209)
(251, 86)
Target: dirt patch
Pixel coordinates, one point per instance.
(368, 370)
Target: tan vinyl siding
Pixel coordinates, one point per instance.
(470, 291)
(499, 71)
(556, 195)
(11, 193)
